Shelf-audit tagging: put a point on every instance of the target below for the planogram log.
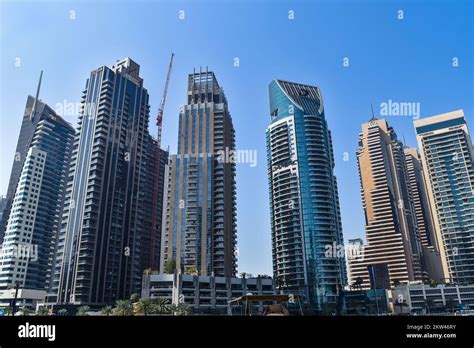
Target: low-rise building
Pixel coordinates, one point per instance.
(425, 299)
(205, 294)
(367, 302)
(25, 297)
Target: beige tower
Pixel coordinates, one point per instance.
(391, 232)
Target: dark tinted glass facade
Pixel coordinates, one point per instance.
(105, 227)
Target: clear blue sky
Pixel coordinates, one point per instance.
(407, 60)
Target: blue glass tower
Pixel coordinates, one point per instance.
(304, 203)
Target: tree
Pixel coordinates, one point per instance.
(82, 311)
(160, 305)
(145, 306)
(396, 283)
(170, 266)
(42, 311)
(451, 304)
(123, 308)
(183, 309)
(107, 310)
(180, 309)
(63, 312)
(190, 270)
(173, 309)
(25, 310)
(429, 304)
(134, 298)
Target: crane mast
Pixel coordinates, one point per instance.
(156, 181)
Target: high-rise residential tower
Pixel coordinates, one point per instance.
(417, 188)
(199, 213)
(35, 111)
(430, 256)
(106, 222)
(390, 224)
(447, 155)
(27, 251)
(304, 203)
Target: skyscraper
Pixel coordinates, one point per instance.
(390, 224)
(35, 111)
(417, 188)
(447, 155)
(27, 251)
(304, 203)
(106, 222)
(199, 231)
(429, 251)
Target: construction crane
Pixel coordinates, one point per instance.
(156, 181)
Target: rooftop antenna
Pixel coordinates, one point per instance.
(373, 115)
(33, 109)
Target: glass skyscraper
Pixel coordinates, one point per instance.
(103, 247)
(199, 231)
(304, 203)
(447, 155)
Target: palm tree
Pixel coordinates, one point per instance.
(134, 298)
(145, 306)
(170, 266)
(173, 309)
(429, 304)
(183, 309)
(107, 310)
(82, 311)
(25, 310)
(451, 304)
(42, 311)
(63, 312)
(123, 307)
(160, 305)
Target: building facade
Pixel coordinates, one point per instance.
(35, 111)
(447, 155)
(28, 248)
(304, 203)
(391, 228)
(106, 222)
(199, 213)
(443, 297)
(205, 294)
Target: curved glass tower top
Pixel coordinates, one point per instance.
(306, 223)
